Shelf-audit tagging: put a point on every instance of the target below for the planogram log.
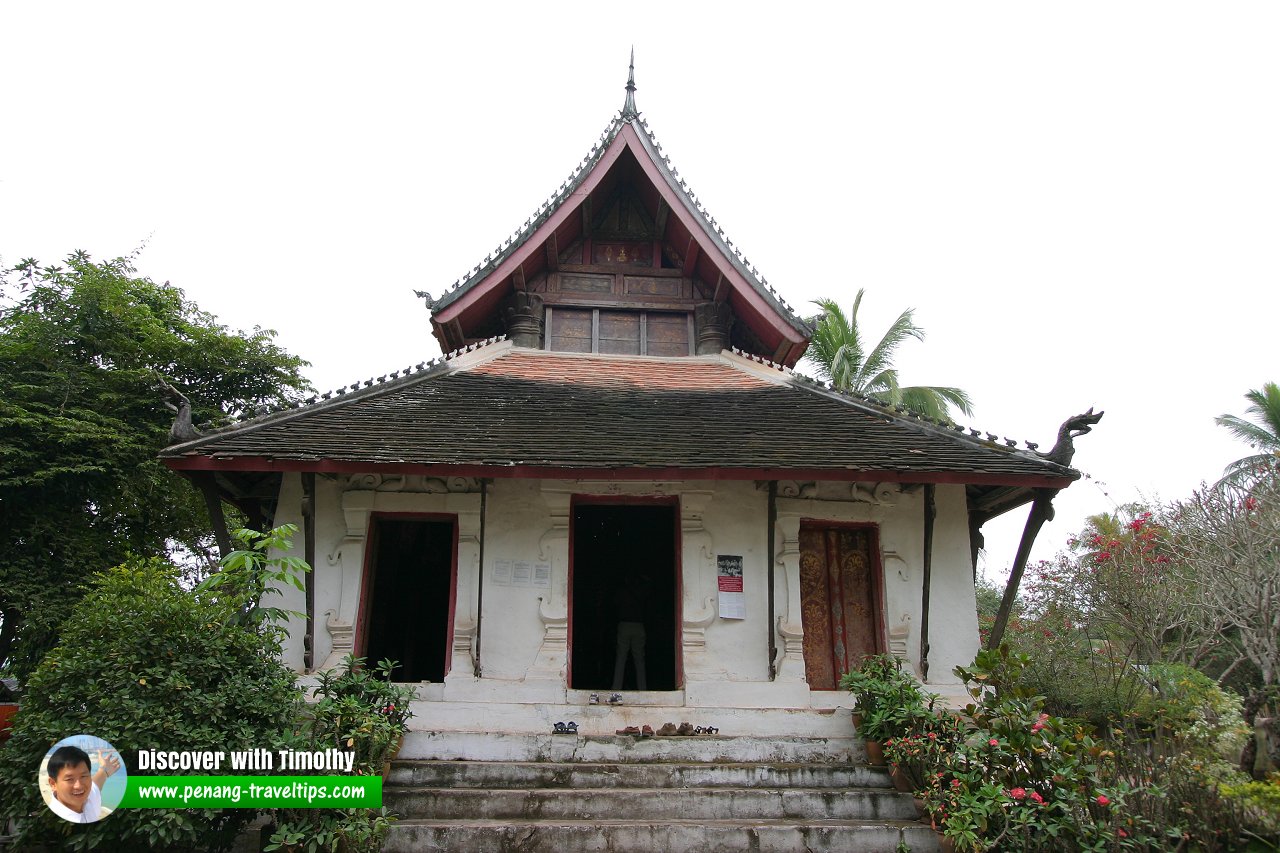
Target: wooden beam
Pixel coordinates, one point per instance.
(213, 505)
(976, 541)
(586, 217)
(517, 279)
(722, 289)
(781, 352)
(309, 554)
(930, 513)
(690, 258)
(553, 253)
(1041, 511)
(660, 219)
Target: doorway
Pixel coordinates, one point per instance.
(623, 574)
(840, 593)
(407, 597)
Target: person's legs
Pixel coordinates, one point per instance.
(637, 654)
(620, 658)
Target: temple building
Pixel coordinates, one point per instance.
(617, 437)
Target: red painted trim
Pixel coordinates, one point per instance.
(367, 586)
(334, 466)
(626, 138)
(877, 574)
(699, 233)
(535, 240)
(576, 501)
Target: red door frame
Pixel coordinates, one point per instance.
(367, 585)
(637, 500)
(877, 574)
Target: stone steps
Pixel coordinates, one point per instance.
(543, 793)
(650, 804)
(585, 774)
(501, 746)
(693, 835)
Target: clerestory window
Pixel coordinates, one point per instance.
(603, 330)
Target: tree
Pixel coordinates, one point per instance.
(839, 351)
(146, 663)
(83, 347)
(1227, 538)
(1264, 436)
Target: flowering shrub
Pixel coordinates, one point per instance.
(358, 710)
(931, 735)
(1022, 779)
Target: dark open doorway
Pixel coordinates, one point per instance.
(624, 571)
(408, 590)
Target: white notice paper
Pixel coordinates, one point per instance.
(521, 573)
(502, 573)
(733, 601)
(542, 575)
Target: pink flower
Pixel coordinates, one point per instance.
(933, 735)
(1036, 798)
(1017, 793)
(1122, 833)
(993, 742)
(1037, 727)
(1103, 801)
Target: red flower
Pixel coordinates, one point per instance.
(1036, 798)
(1103, 801)
(1251, 503)
(933, 735)
(1122, 833)
(993, 742)
(1017, 793)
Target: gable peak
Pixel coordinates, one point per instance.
(629, 110)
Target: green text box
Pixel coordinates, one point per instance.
(253, 792)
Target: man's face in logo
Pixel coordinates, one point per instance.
(72, 785)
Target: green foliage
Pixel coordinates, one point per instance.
(887, 698)
(81, 348)
(1262, 433)
(1260, 801)
(1023, 779)
(356, 710)
(841, 352)
(147, 664)
(250, 573)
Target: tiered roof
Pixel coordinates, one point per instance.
(560, 219)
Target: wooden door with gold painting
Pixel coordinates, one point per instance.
(839, 599)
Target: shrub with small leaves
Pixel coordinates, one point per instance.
(147, 664)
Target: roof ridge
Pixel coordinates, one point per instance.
(540, 215)
(910, 417)
(734, 252)
(343, 393)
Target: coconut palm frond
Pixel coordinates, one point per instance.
(1264, 435)
(838, 351)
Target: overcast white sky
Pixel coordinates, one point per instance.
(1082, 201)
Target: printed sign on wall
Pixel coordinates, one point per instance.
(733, 601)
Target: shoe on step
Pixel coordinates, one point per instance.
(667, 730)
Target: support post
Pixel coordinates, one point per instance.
(484, 499)
(213, 505)
(976, 541)
(1041, 511)
(930, 513)
(769, 559)
(309, 554)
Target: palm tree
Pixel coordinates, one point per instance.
(839, 352)
(1264, 407)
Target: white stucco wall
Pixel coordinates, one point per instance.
(521, 637)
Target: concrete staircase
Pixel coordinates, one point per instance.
(518, 791)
